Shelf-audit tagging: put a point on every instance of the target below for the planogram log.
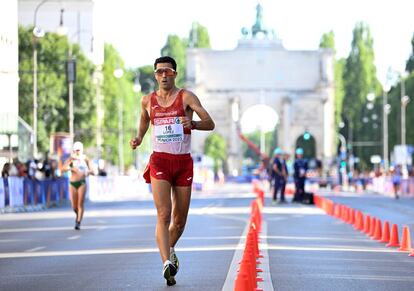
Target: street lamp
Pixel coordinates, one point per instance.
(386, 109)
(37, 33)
(404, 102)
(118, 73)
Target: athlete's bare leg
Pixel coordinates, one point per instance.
(180, 206)
(161, 191)
(81, 202)
(74, 200)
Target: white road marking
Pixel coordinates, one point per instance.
(234, 265)
(34, 249)
(112, 251)
(267, 283)
(238, 254)
(152, 212)
(65, 228)
(332, 249)
(74, 237)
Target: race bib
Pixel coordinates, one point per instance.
(168, 130)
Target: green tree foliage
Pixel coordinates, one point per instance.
(216, 148)
(146, 78)
(176, 48)
(394, 119)
(359, 80)
(53, 109)
(199, 37)
(328, 41)
(118, 93)
(410, 62)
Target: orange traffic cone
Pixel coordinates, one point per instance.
(351, 216)
(385, 233)
(360, 225)
(367, 224)
(394, 241)
(372, 227)
(337, 211)
(242, 283)
(378, 231)
(406, 240)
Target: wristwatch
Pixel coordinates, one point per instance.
(193, 124)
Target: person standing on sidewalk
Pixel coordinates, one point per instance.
(170, 169)
(396, 180)
(80, 167)
(280, 175)
(300, 168)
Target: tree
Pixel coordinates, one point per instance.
(199, 37)
(359, 80)
(176, 48)
(146, 78)
(118, 94)
(328, 41)
(410, 62)
(53, 109)
(216, 148)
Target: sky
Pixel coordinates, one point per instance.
(139, 29)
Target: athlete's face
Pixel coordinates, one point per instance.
(165, 75)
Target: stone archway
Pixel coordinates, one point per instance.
(298, 85)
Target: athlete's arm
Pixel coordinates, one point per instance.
(66, 166)
(143, 123)
(206, 122)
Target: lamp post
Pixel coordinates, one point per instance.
(118, 73)
(37, 33)
(386, 109)
(404, 102)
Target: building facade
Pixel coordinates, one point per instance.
(9, 80)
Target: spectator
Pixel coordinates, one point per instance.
(396, 180)
(5, 172)
(300, 169)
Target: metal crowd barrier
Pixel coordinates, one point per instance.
(19, 191)
(385, 185)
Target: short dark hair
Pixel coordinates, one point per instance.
(166, 59)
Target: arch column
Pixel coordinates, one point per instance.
(235, 155)
(286, 124)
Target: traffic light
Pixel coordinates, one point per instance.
(343, 164)
(306, 136)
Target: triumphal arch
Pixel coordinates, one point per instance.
(297, 84)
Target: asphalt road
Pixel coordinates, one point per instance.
(115, 250)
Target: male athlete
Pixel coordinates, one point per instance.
(170, 170)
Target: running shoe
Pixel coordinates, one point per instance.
(169, 272)
(174, 260)
(171, 281)
(77, 225)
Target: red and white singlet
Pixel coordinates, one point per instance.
(168, 133)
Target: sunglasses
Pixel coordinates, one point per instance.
(169, 72)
